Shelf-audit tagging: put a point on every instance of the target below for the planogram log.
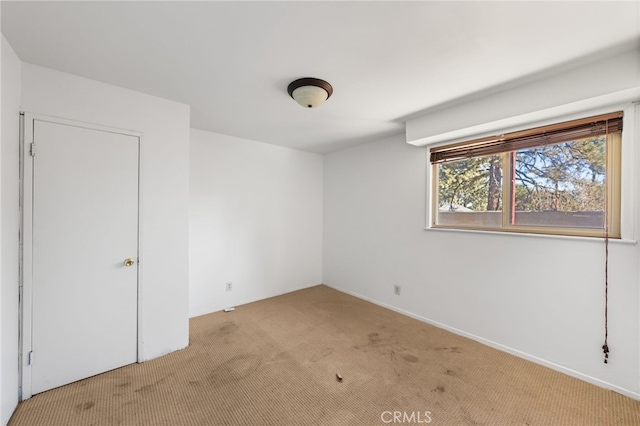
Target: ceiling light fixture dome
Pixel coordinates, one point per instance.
(310, 92)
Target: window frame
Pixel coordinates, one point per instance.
(614, 171)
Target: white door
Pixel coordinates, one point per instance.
(84, 227)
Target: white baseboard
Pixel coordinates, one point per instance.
(217, 308)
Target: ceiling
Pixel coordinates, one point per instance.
(232, 61)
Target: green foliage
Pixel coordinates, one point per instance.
(564, 177)
(569, 176)
(464, 184)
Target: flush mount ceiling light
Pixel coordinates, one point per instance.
(310, 92)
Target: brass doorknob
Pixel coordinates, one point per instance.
(128, 262)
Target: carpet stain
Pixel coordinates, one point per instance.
(222, 333)
(450, 373)
(225, 329)
(123, 385)
(439, 389)
(235, 369)
(374, 338)
(318, 356)
(453, 349)
(85, 406)
(152, 387)
(410, 358)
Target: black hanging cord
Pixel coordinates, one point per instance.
(605, 347)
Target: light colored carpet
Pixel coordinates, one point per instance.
(274, 362)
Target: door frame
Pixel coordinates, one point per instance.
(26, 240)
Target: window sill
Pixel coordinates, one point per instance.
(543, 236)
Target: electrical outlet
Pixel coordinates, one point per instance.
(229, 286)
(396, 289)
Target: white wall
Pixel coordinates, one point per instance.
(255, 221)
(9, 167)
(536, 296)
(164, 187)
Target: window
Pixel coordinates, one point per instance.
(558, 179)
